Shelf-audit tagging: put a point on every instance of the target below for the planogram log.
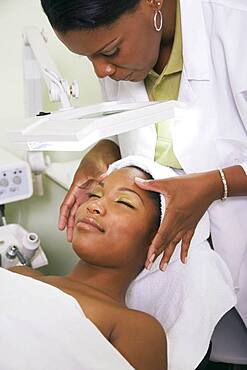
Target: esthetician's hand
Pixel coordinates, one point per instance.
(92, 166)
(82, 184)
(187, 199)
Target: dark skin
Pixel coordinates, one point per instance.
(109, 262)
(123, 36)
(120, 52)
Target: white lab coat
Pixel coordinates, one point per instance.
(214, 80)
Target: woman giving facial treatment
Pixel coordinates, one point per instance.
(163, 50)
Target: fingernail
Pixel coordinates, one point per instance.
(163, 268)
(103, 175)
(149, 266)
(185, 260)
(151, 259)
(138, 179)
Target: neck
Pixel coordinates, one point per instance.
(111, 282)
(169, 26)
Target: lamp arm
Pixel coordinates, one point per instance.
(38, 64)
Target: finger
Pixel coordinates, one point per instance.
(70, 228)
(70, 234)
(168, 251)
(168, 231)
(70, 205)
(153, 253)
(167, 254)
(65, 209)
(74, 209)
(149, 260)
(186, 239)
(153, 185)
(62, 222)
(102, 177)
(151, 257)
(159, 244)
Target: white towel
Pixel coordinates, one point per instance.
(42, 328)
(188, 300)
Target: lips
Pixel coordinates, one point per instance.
(91, 223)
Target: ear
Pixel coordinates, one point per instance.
(155, 4)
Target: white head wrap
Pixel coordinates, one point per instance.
(154, 169)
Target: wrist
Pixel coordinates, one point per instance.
(92, 165)
(215, 185)
(97, 160)
(236, 181)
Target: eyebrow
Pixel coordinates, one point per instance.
(107, 45)
(131, 191)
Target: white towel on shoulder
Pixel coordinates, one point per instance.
(42, 328)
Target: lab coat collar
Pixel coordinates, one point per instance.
(195, 51)
(195, 43)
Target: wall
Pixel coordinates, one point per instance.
(38, 214)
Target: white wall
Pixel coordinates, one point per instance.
(38, 214)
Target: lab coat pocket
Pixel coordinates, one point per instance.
(231, 151)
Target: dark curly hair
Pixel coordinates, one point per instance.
(74, 15)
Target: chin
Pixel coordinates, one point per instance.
(137, 77)
(137, 74)
(82, 246)
(91, 251)
(87, 253)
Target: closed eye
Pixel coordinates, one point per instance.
(92, 195)
(126, 204)
(111, 54)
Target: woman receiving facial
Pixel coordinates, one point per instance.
(113, 230)
(114, 227)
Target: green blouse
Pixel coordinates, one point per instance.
(166, 87)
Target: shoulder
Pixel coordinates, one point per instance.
(141, 339)
(27, 271)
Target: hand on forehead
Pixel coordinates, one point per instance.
(126, 177)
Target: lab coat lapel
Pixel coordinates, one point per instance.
(196, 54)
(196, 68)
(194, 39)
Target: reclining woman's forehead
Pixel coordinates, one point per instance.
(129, 174)
(126, 176)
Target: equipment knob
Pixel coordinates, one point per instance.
(4, 182)
(17, 180)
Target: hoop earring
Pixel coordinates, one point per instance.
(156, 14)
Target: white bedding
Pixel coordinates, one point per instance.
(188, 300)
(43, 328)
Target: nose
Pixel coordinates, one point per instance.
(102, 67)
(96, 207)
